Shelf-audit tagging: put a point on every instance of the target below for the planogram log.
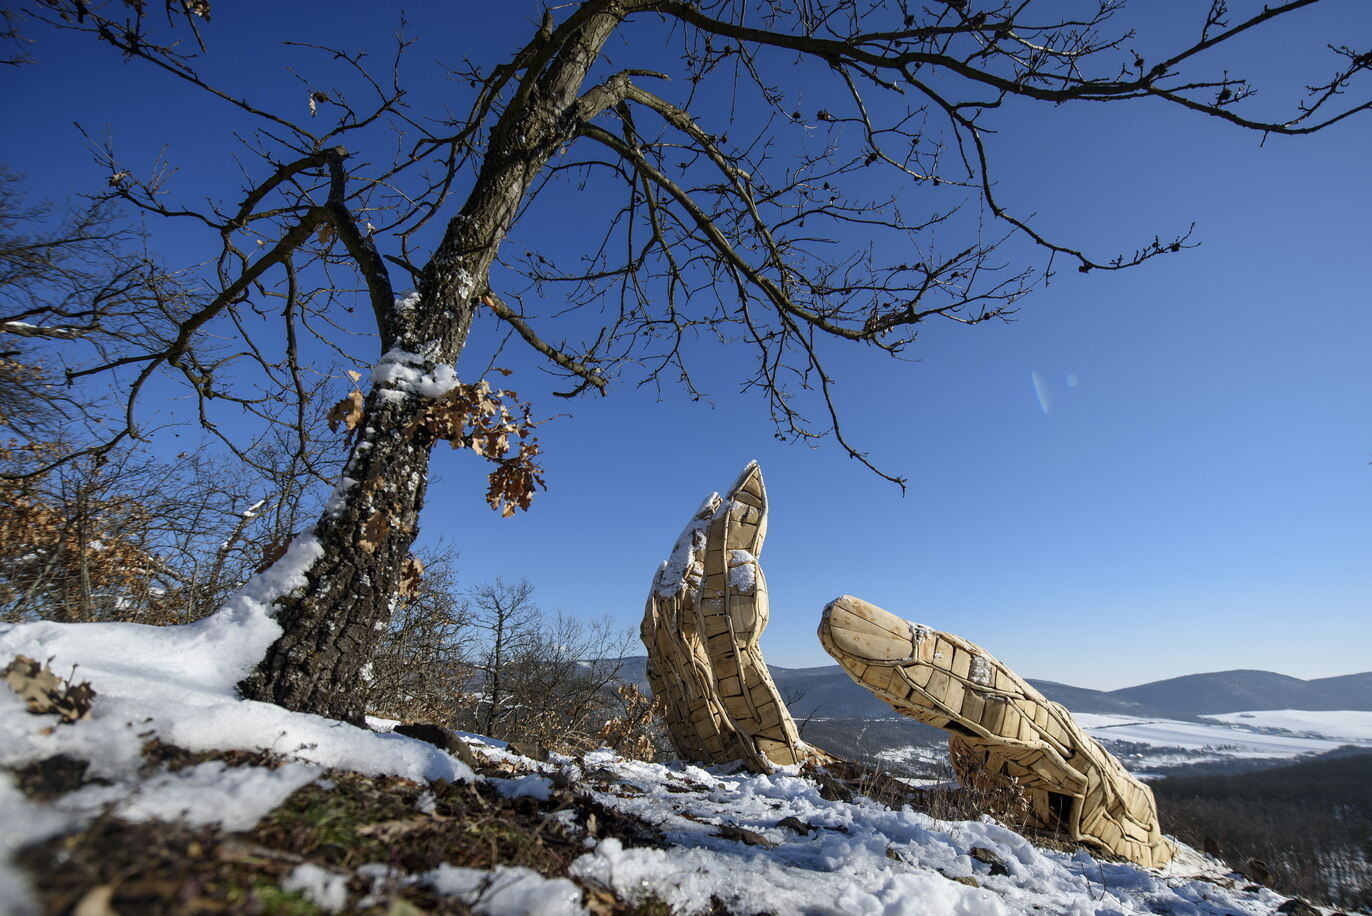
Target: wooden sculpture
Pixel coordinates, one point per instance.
(706, 611)
(1001, 728)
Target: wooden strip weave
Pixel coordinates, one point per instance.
(1001, 728)
(704, 616)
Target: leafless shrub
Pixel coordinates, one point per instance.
(639, 730)
(541, 679)
(118, 537)
(960, 791)
(489, 660)
(420, 672)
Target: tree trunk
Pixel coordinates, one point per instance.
(332, 629)
(333, 625)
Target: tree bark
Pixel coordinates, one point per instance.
(333, 625)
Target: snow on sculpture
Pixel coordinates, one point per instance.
(706, 611)
(1001, 728)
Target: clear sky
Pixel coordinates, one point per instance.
(1148, 473)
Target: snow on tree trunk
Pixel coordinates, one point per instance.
(332, 627)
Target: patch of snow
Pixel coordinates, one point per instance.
(672, 575)
(234, 798)
(936, 754)
(252, 511)
(1198, 741)
(178, 684)
(743, 570)
(465, 283)
(333, 506)
(210, 655)
(323, 888)
(506, 891)
(404, 372)
(863, 858)
(689, 880)
(21, 824)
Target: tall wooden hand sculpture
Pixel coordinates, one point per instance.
(1000, 727)
(707, 609)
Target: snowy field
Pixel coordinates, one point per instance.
(1243, 735)
(1346, 726)
(1145, 744)
(753, 843)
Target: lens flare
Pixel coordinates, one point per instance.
(1041, 392)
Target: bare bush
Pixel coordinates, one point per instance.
(638, 730)
(118, 537)
(543, 680)
(489, 660)
(421, 671)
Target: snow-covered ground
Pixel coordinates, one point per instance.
(1169, 742)
(863, 857)
(920, 756)
(755, 843)
(1343, 725)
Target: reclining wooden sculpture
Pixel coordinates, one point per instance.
(708, 607)
(1001, 728)
(706, 611)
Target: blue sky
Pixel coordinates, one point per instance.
(1187, 487)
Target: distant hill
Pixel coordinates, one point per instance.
(825, 691)
(1349, 688)
(1083, 699)
(1236, 691)
(828, 691)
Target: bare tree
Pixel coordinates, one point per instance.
(106, 533)
(511, 621)
(723, 230)
(422, 669)
(538, 678)
(70, 276)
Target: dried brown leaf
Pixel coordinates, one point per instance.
(44, 692)
(373, 531)
(347, 412)
(411, 575)
(273, 552)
